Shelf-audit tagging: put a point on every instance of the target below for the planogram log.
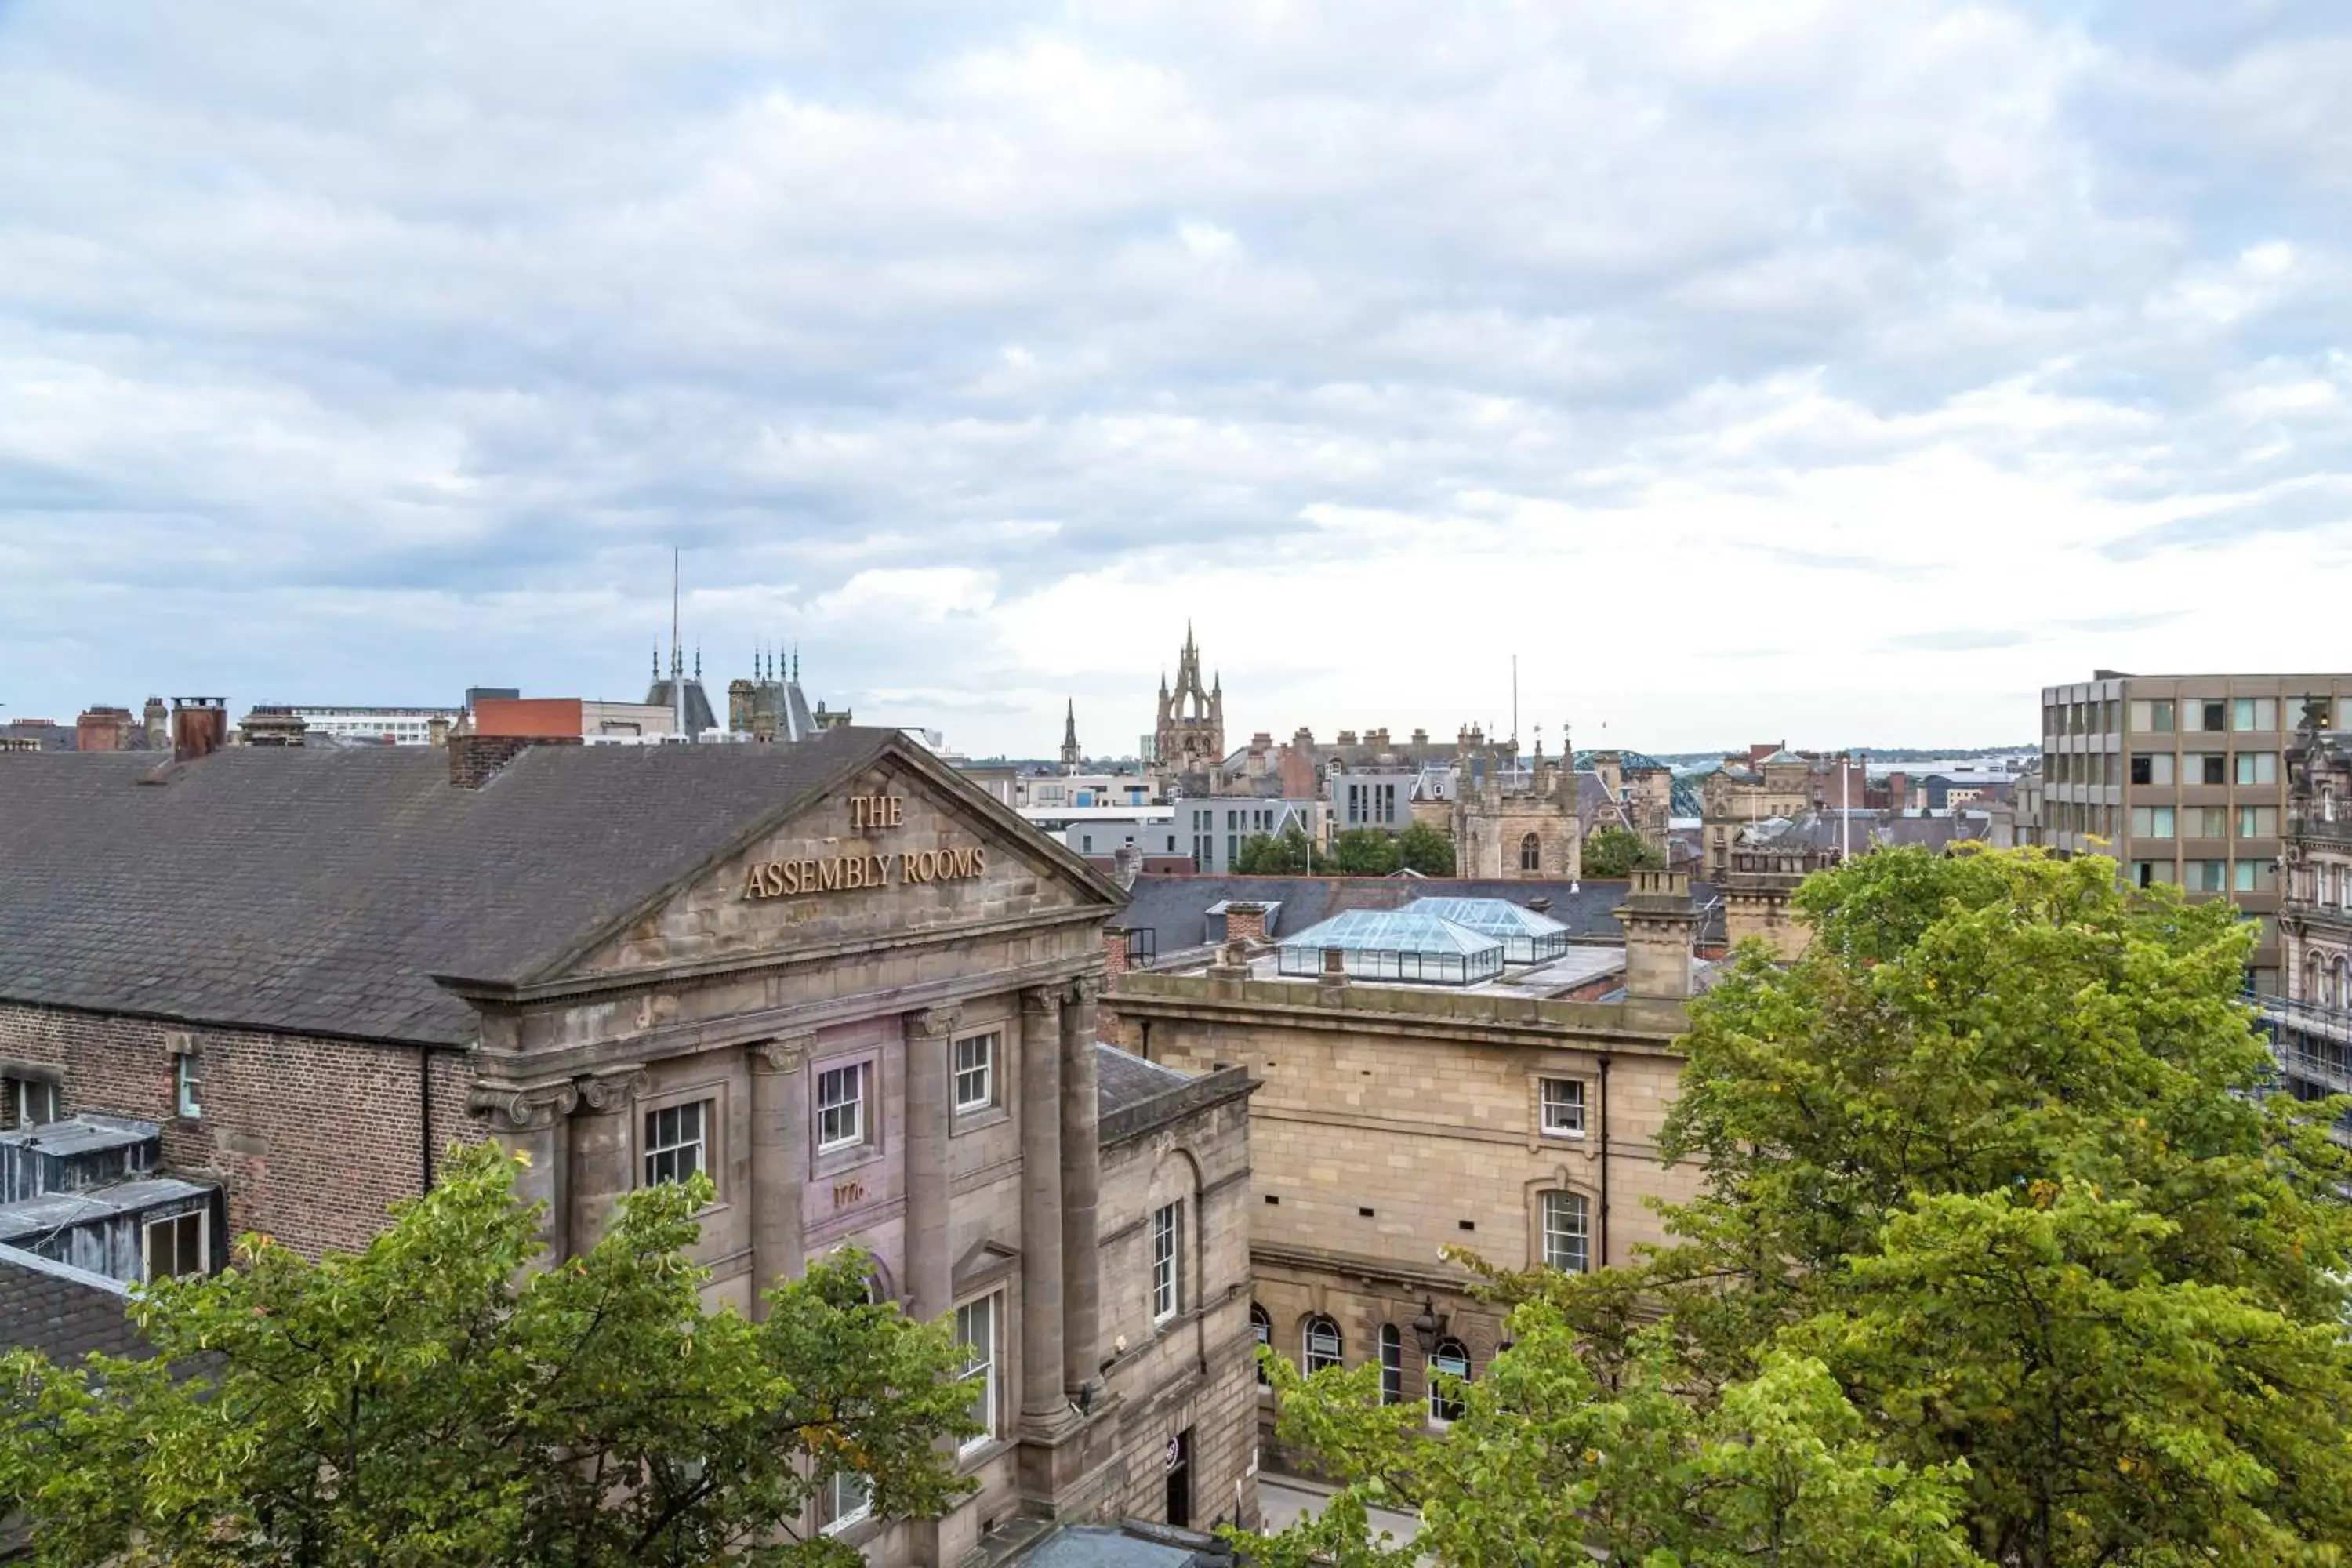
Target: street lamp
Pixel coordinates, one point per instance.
(1429, 1328)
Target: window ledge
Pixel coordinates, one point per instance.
(964, 1121)
(979, 1451)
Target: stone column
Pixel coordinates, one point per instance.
(1044, 1404)
(780, 1161)
(600, 1153)
(1081, 1181)
(530, 1120)
(930, 1267)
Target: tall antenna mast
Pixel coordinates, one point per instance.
(677, 674)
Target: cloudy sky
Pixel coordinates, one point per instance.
(1841, 370)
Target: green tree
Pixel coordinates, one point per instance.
(1999, 1150)
(1425, 850)
(429, 1400)
(1364, 852)
(1613, 852)
(1544, 1465)
(2003, 1241)
(1265, 854)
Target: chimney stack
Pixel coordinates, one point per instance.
(1659, 925)
(199, 727)
(158, 720)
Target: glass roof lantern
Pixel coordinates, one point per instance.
(1412, 944)
(1528, 937)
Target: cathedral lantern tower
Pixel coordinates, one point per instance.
(1190, 737)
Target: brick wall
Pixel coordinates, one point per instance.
(474, 758)
(311, 1138)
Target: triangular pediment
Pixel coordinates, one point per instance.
(984, 1262)
(899, 846)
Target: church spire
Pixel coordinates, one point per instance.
(1070, 753)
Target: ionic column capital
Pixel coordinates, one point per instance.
(613, 1089)
(785, 1053)
(935, 1022)
(524, 1108)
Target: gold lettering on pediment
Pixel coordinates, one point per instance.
(860, 873)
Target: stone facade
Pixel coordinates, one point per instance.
(904, 1060)
(1395, 1121)
(2315, 910)
(1187, 1379)
(1771, 781)
(1511, 821)
(1644, 791)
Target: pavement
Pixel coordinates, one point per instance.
(1282, 1501)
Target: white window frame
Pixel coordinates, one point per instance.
(1572, 1097)
(1311, 1362)
(703, 1112)
(988, 1311)
(1167, 1261)
(1572, 1242)
(1392, 1343)
(850, 1485)
(187, 1087)
(1261, 1337)
(203, 1243)
(1441, 1361)
(979, 1071)
(857, 1076)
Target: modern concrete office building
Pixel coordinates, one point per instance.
(2182, 778)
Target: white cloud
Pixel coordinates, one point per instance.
(1843, 369)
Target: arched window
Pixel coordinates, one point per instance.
(1323, 1345)
(1392, 1365)
(1261, 1330)
(1451, 1357)
(1530, 853)
(1566, 1232)
(2343, 994)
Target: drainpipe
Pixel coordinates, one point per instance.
(424, 1114)
(1604, 1161)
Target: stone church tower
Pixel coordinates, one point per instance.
(1514, 820)
(1189, 742)
(1071, 756)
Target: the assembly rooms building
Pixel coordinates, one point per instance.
(855, 990)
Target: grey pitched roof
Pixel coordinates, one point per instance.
(1175, 909)
(62, 1312)
(1123, 1079)
(319, 892)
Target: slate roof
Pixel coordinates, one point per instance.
(319, 892)
(1176, 908)
(1124, 1081)
(62, 1312)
